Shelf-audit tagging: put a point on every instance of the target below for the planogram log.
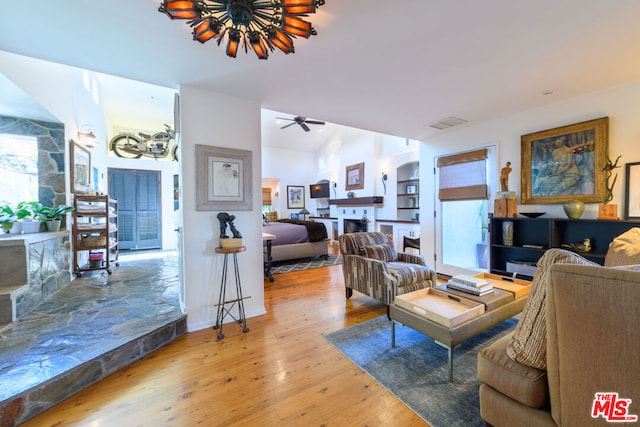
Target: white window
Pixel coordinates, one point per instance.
(18, 168)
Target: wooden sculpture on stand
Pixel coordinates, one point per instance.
(504, 204)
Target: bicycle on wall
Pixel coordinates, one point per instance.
(157, 146)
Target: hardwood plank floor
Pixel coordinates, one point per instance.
(283, 372)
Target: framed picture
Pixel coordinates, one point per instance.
(80, 163)
(223, 179)
(411, 189)
(354, 178)
(632, 191)
(565, 163)
(295, 197)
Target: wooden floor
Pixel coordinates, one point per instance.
(283, 372)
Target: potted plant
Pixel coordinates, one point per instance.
(31, 218)
(9, 218)
(52, 216)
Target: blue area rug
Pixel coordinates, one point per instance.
(304, 264)
(416, 370)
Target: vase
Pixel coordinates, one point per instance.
(30, 227)
(16, 228)
(507, 233)
(53, 224)
(573, 208)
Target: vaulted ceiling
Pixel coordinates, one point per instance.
(390, 67)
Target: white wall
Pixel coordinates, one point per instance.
(214, 119)
(74, 96)
(66, 92)
(290, 167)
(621, 104)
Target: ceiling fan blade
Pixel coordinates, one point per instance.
(290, 124)
(314, 122)
(305, 127)
(284, 118)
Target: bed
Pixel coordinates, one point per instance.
(297, 239)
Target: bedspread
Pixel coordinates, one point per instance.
(316, 230)
(295, 231)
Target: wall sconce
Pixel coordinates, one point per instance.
(384, 182)
(335, 185)
(87, 137)
(276, 194)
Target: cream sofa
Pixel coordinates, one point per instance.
(578, 335)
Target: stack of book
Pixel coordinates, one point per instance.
(470, 284)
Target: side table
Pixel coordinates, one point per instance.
(222, 299)
(267, 238)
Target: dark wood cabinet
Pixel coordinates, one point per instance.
(532, 237)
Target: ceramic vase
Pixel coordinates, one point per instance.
(16, 228)
(53, 224)
(30, 227)
(573, 208)
(507, 233)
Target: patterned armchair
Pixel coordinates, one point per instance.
(372, 266)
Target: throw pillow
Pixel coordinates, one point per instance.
(272, 216)
(385, 252)
(528, 345)
(625, 249)
(265, 220)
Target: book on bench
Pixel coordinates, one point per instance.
(492, 300)
(470, 289)
(472, 285)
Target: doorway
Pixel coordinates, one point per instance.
(139, 208)
(463, 186)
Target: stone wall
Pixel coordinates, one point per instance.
(48, 270)
(51, 154)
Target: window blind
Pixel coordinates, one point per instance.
(463, 176)
(266, 197)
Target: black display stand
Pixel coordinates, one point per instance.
(223, 311)
(532, 237)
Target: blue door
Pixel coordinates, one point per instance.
(139, 213)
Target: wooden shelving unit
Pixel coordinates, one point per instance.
(95, 229)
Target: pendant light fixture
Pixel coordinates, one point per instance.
(259, 25)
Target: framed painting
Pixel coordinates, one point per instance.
(354, 177)
(223, 179)
(565, 163)
(80, 164)
(632, 191)
(295, 197)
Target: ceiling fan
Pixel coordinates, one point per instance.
(302, 121)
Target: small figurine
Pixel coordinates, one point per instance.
(585, 246)
(504, 177)
(226, 219)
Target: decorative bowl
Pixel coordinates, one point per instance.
(532, 214)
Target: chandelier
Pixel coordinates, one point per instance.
(260, 25)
